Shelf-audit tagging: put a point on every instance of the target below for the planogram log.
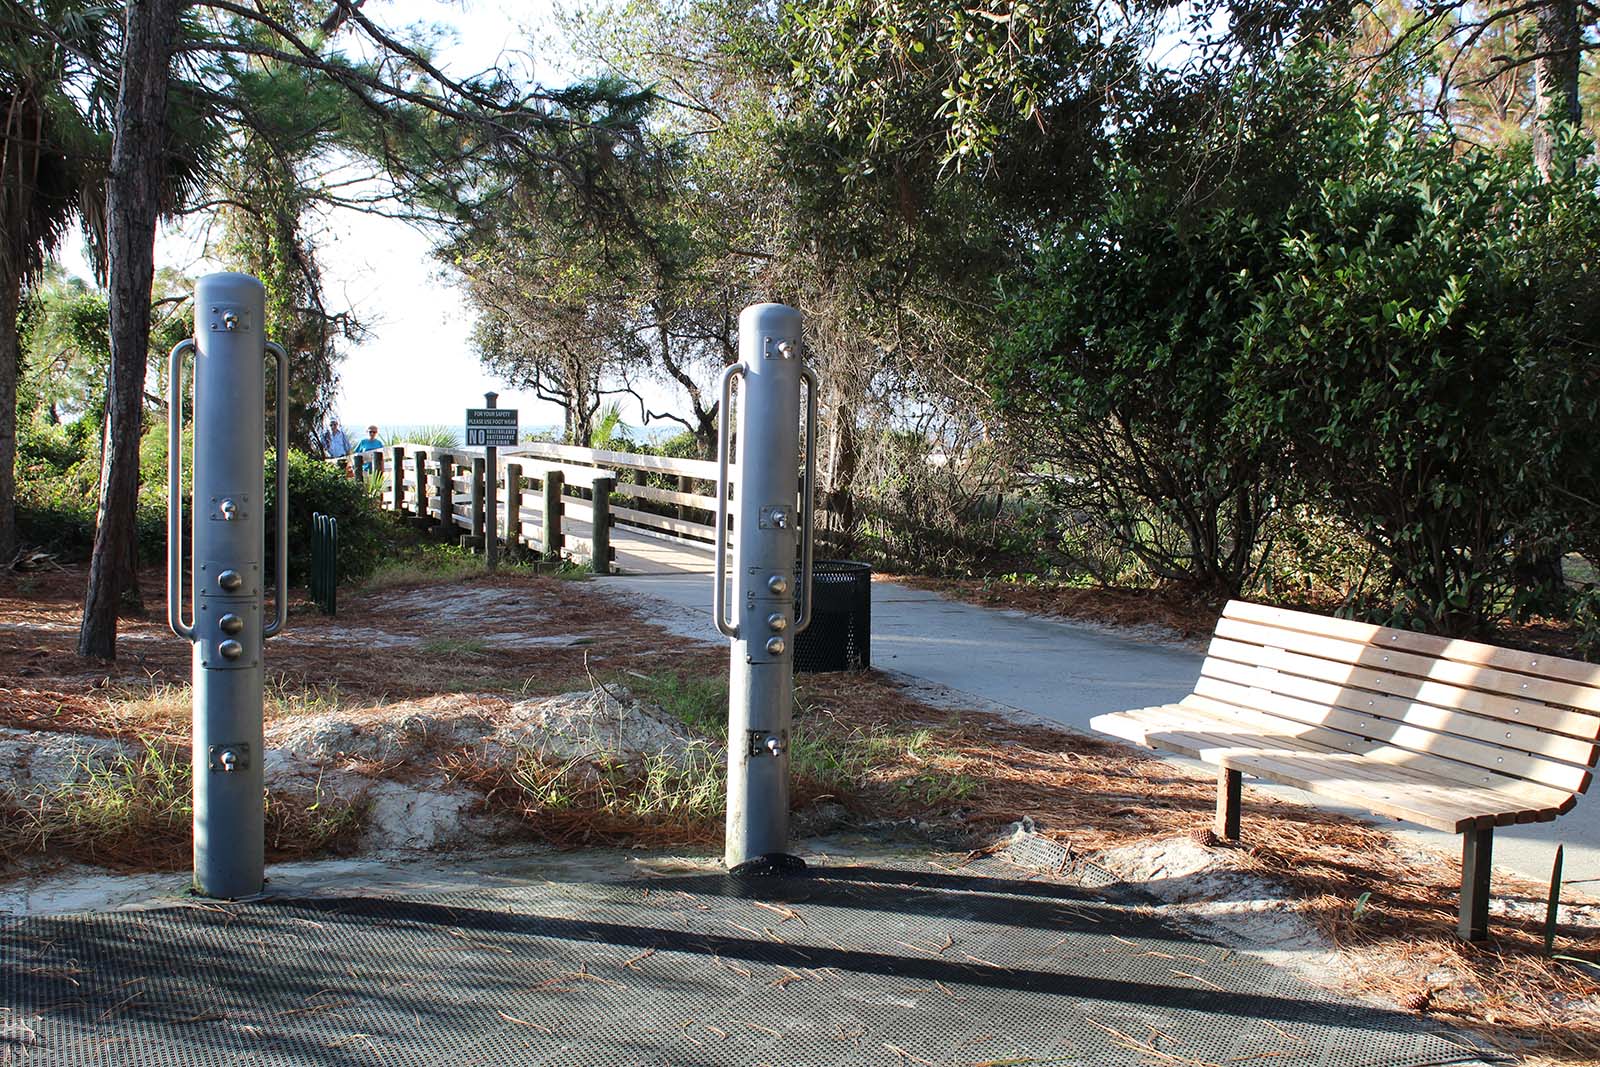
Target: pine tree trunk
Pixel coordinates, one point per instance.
(10, 366)
(1558, 43)
(138, 173)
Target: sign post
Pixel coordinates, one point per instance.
(491, 428)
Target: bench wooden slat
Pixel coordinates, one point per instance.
(1399, 735)
(1467, 806)
(1365, 702)
(1254, 731)
(1213, 739)
(1577, 724)
(1516, 801)
(1376, 795)
(1521, 794)
(1447, 800)
(1455, 649)
(1455, 672)
(1306, 774)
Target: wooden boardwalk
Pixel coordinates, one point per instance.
(653, 529)
(642, 552)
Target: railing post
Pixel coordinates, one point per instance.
(398, 477)
(490, 510)
(333, 565)
(474, 539)
(551, 540)
(685, 485)
(513, 524)
(421, 460)
(600, 539)
(447, 494)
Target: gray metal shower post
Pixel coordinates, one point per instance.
(772, 531)
(227, 576)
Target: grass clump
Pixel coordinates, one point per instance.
(453, 646)
(134, 811)
(658, 799)
(700, 703)
(131, 810)
(873, 769)
(165, 709)
(879, 769)
(161, 707)
(435, 563)
(423, 564)
(286, 700)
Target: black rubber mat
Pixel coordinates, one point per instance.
(852, 965)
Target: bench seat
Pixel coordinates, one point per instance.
(1453, 735)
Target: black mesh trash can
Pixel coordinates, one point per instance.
(840, 635)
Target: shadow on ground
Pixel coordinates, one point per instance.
(887, 963)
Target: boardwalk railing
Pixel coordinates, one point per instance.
(560, 501)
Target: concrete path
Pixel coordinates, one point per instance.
(1067, 672)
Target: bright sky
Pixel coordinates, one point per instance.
(415, 367)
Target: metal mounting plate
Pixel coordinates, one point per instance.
(241, 503)
(241, 756)
(228, 318)
(206, 579)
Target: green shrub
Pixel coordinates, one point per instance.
(315, 486)
(434, 436)
(681, 445)
(1426, 360)
(58, 475)
(55, 516)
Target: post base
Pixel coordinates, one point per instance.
(772, 865)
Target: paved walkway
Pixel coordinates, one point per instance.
(1067, 672)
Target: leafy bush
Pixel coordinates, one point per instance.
(315, 486)
(681, 445)
(1311, 557)
(433, 436)
(1125, 328)
(1426, 358)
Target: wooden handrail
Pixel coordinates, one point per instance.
(569, 468)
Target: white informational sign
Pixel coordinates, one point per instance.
(491, 427)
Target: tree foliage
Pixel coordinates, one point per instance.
(52, 148)
(1126, 327)
(1426, 355)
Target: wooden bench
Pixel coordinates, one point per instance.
(1448, 734)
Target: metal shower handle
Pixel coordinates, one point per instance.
(719, 595)
(175, 490)
(280, 609)
(808, 508)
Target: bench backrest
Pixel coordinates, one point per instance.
(1473, 712)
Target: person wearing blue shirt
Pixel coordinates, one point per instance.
(371, 442)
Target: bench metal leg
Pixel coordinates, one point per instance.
(1477, 849)
(1229, 783)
